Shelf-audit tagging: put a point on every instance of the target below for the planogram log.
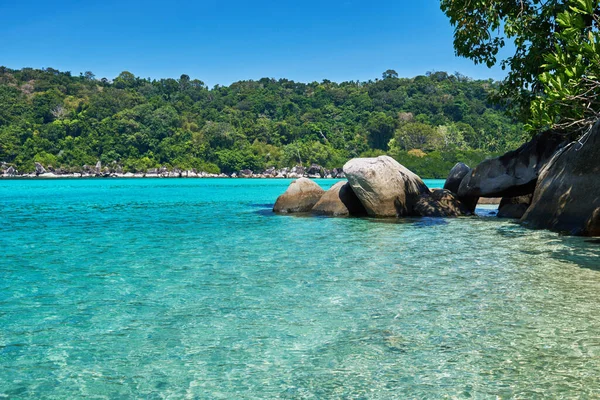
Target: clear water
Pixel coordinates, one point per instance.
(194, 289)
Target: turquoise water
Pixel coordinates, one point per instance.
(192, 288)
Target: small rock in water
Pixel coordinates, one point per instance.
(340, 200)
(300, 196)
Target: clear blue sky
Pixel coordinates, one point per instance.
(221, 42)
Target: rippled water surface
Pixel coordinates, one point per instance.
(194, 289)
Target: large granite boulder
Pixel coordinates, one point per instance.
(455, 177)
(340, 200)
(440, 203)
(514, 173)
(300, 196)
(567, 194)
(384, 186)
(514, 207)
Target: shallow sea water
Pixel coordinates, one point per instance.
(169, 289)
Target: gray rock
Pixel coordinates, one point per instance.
(300, 196)
(298, 170)
(39, 169)
(271, 172)
(10, 171)
(455, 177)
(98, 168)
(315, 171)
(567, 194)
(440, 203)
(384, 186)
(514, 173)
(340, 200)
(514, 207)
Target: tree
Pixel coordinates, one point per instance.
(416, 135)
(381, 129)
(571, 77)
(390, 73)
(125, 80)
(535, 28)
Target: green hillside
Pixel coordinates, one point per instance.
(427, 122)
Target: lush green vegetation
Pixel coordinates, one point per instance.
(554, 73)
(428, 122)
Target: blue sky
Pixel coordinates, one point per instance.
(221, 42)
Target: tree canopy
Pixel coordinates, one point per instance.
(66, 121)
(553, 74)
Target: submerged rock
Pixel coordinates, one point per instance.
(514, 207)
(300, 196)
(385, 187)
(567, 194)
(514, 173)
(441, 203)
(340, 200)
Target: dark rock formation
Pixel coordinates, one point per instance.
(567, 194)
(514, 173)
(340, 200)
(440, 203)
(300, 196)
(384, 187)
(39, 169)
(455, 177)
(315, 171)
(514, 207)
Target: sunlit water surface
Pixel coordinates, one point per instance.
(194, 289)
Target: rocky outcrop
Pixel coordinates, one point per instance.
(567, 194)
(514, 207)
(440, 203)
(514, 173)
(39, 169)
(315, 171)
(10, 171)
(300, 196)
(455, 177)
(385, 187)
(340, 200)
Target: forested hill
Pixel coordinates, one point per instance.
(426, 122)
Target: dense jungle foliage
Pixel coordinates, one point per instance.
(427, 122)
